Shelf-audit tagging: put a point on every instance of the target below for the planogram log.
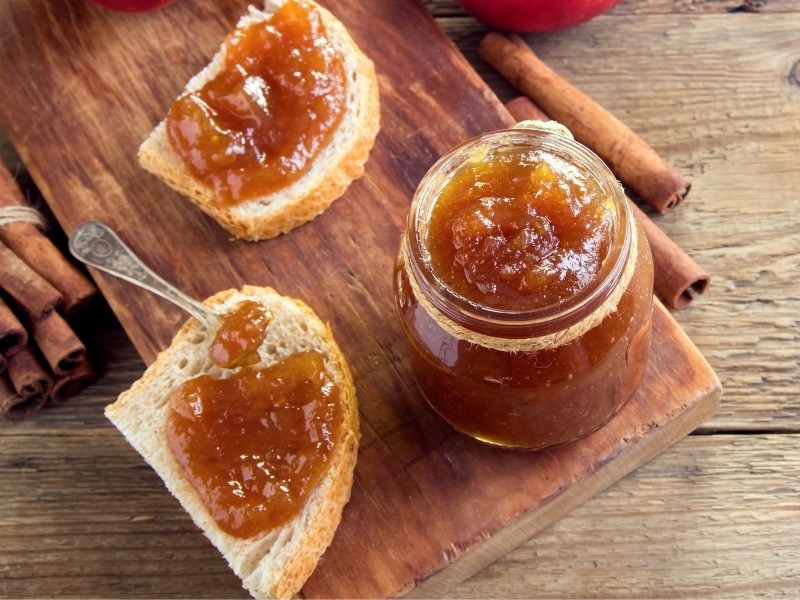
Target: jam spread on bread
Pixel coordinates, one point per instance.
(240, 334)
(259, 124)
(254, 445)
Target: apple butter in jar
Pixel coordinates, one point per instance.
(524, 286)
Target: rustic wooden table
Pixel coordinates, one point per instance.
(715, 88)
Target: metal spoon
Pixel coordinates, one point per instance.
(98, 246)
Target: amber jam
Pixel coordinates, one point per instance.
(524, 286)
(254, 445)
(258, 125)
(240, 334)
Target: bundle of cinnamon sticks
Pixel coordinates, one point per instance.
(41, 357)
(678, 278)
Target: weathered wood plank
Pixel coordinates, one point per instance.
(714, 517)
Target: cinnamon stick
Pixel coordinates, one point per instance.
(523, 108)
(678, 279)
(25, 285)
(36, 249)
(58, 343)
(13, 406)
(638, 166)
(31, 384)
(67, 386)
(13, 335)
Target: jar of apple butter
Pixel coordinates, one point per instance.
(524, 286)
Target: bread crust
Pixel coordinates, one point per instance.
(334, 169)
(274, 564)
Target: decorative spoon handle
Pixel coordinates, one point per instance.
(97, 245)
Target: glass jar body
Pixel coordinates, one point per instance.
(534, 398)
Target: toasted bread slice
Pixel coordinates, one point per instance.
(333, 170)
(274, 564)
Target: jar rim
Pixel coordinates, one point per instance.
(506, 323)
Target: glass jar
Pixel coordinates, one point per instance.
(533, 363)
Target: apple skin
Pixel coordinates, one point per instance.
(132, 6)
(535, 16)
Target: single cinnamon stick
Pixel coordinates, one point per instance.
(27, 374)
(58, 343)
(36, 249)
(523, 108)
(69, 385)
(25, 285)
(638, 166)
(14, 406)
(13, 335)
(678, 278)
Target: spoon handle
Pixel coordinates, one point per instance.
(98, 246)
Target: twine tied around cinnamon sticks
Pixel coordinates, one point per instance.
(678, 278)
(41, 357)
(21, 214)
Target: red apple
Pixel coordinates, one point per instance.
(132, 6)
(535, 16)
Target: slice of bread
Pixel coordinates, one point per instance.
(274, 564)
(338, 164)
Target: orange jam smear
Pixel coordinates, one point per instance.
(519, 231)
(254, 445)
(257, 127)
(240, 334)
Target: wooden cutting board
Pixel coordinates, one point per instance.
(81, 87)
